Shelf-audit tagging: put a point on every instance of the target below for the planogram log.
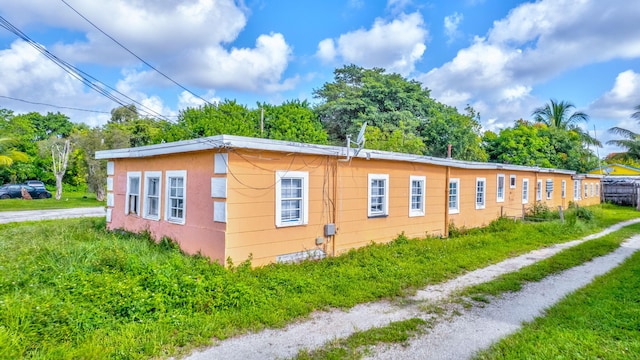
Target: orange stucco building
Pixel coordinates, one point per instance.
(236, 197)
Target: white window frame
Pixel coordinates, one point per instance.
(499, 197)
(422, 180)
(539, 190)
(456, 208)
(304, 201)
(385, 196)
(146, 203)
(167, 199)
(577, 188)
(592, 190)
(586, 191)
(548, 192)
(525, 191)
(564, 189)
(512, 181)
(597, 189)
(130, 193)
(481, 193)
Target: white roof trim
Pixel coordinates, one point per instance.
(241, 142)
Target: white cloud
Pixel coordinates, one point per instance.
(451, 24)
(326, 50)
(619, 102)
(396, 45)
(189, 41)
(187, 100)
(29, 76)
(534, 43)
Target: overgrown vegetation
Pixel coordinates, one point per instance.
(357, 345)
(599, 321)
(72, 290)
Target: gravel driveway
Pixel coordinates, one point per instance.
(455, 339)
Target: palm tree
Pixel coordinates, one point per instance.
(8, 155)
(558, 114)
(630, 140)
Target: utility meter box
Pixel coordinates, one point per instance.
(329, 229)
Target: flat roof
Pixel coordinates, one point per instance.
(242, 142)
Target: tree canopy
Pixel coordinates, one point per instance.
(398, 111)
(539, 145)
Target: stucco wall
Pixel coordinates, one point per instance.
(199, 233)
(338, 193)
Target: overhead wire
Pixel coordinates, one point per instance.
(134, 54)
(92, 82)
(51, 105)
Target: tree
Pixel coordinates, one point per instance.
(227, 117)
(539, 145)
(397, 141)
(8, 154)
(630, 140)
(123, 114)
(399, 109)
(558, 114)
(293, 121)
(60, 150)
(88, 142)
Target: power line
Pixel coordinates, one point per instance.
(55, 106)
(87, 79)
(136, 56)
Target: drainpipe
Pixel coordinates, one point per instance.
(446, 200)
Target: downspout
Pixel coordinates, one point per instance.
(446, 201)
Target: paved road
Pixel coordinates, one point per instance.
(31, 215)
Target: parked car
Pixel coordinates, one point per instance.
(35, 183)
(14, 191)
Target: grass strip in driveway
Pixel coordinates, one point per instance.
(566, 259)
(356, 346)
(599, 321)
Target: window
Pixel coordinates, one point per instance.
(176, 196)
(378, 195)
(132, 206)
(417, 186)
(292, 198)
(500, 192)
(549, 188)
(539, 190)
(564, 189)
(597, 189)
(586, 191)
(525, 191)
(480, 192)
(592, 190)
(512, 181)
(454, 196)
(576, 189)
(152, 194)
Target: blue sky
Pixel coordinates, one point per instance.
(505, 58)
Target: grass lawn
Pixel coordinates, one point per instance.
(68, 200)
(69, 289)
(600, 321)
